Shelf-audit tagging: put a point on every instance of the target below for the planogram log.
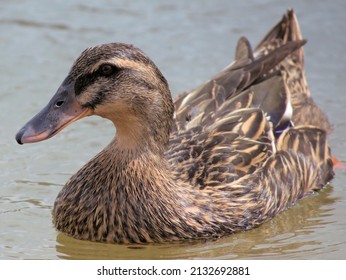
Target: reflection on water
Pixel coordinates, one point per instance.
(289, 235)
(189, 41)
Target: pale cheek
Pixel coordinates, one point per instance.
(87, 95)
(105, 111)
(118, 112)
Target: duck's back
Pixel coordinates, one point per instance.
(236, 122)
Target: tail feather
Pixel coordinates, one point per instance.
(243, 50)
(312, 143)
(229, 83)
(305, 111)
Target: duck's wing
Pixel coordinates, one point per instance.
(223, 141)
(229, 126)
(211, 100)
(305, 110)
(205, 99)
(223, 152)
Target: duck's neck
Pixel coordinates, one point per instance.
(140, 128)
(137, 140)
(123, 196)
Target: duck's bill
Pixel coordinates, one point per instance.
(62, 110)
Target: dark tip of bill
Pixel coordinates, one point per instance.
(19, 137)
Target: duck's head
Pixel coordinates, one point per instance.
(115, 81)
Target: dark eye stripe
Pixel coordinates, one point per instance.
(84, 81)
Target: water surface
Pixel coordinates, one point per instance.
(189, 41)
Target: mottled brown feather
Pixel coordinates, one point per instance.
(306, 112)
(227, 160)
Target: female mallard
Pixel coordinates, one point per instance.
(227, 160)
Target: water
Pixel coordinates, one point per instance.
(189, 41)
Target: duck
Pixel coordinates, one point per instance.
(225, 157)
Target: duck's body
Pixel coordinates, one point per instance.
(226, 160)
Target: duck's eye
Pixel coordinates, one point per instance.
(106, 69)
(59, 103)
